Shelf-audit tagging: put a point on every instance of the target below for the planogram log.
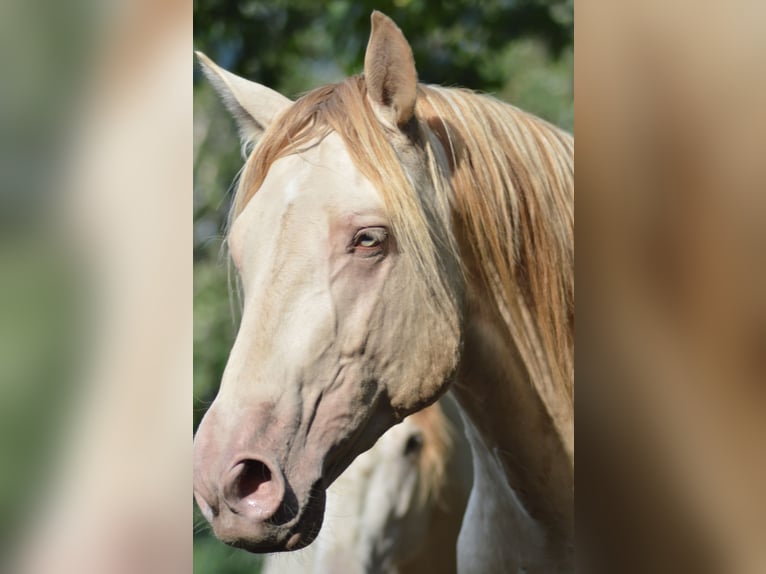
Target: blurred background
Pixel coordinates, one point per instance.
(95, 286)
(522, 51)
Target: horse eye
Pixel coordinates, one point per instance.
(370, 238)
(367, 240)
(413, 445)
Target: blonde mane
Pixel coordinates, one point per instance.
(503, 178)
(512, 176)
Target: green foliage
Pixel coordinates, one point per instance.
(520, 50)
(271, 41)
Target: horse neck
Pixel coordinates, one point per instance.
(514, 432)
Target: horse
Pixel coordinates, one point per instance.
(398, 508)
(395, 240)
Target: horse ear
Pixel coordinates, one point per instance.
(252, 105)
(389, 71)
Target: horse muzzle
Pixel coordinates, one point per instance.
(248, 498)
(256, 509)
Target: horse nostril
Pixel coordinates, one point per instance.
(254, 475)
(254, 488)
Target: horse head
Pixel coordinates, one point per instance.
(351, 294)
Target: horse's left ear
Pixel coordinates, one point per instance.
(389, 71)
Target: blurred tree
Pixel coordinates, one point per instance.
(451, 40)
(520, 50)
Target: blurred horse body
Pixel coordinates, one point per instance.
(399, 506)
(395, 240)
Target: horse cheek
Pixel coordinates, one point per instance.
(425, 355)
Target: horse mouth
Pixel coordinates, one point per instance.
(278, 536)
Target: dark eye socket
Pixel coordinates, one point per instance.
(370, 239)
(414, 445)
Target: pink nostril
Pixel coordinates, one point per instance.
(253, 477)
(253, 489)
